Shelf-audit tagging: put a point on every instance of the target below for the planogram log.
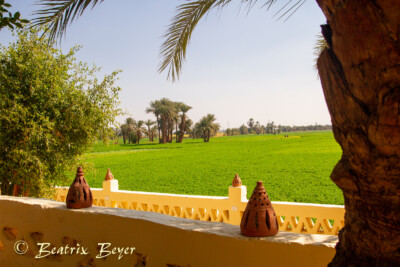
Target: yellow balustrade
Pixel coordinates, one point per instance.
(292, 217)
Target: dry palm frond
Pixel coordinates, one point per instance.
(173, 49)
(319, 46)
(57, 14)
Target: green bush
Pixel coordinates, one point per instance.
(52, 108)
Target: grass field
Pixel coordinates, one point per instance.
(294, 169)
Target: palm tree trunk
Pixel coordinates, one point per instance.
(182, 128)
(360, 76)
(159, 129)
(171, 129)
(164, 130)
(176, 131)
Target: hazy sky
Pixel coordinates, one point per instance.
(238, 66)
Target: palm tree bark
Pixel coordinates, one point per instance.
(182, 128)
(176, 131)
(171, 129)
(159, 129)
(360, 76)
(164, 129)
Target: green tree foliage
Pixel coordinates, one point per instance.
(7, 19)
(207, 127)
(243, 129)
(52, 108)
(169, 115)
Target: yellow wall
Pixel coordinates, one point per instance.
(159, 240)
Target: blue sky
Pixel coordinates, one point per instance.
(238, 66)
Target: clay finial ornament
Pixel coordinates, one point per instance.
(236, 181)
(259, 217)
(109, 176)
(79, 194)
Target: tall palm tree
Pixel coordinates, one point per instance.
(360, 76)
(174, 120)
(182, 126)
(149, 123)
(167, 112)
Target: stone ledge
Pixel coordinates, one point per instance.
(163, 239)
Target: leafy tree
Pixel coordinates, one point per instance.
(243, 129)
(9, 20)
(52, 109)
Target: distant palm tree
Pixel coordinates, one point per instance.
(149, 123)
(124, 132)
(154, 108)
(167, 113)
(130, 128)
(208, 126)
(189, 126)
(182, 127)
(153, 131)
(139, 129)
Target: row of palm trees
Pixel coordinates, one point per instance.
(132, 131)
(170, 116)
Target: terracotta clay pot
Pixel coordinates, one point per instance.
(109, 176)
(236, 181)
(259, 217)
(79, 194)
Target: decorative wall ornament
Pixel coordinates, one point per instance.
(109, 176)
(259, 217)
(79, 194)
(236, 181)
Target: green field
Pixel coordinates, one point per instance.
(294, 169)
